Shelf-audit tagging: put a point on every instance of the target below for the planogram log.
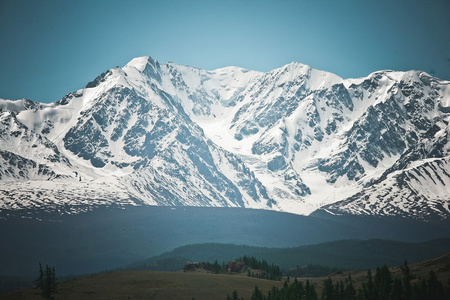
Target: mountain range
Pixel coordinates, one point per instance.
(294, 139)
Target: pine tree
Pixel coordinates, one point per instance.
(46, 282)
(328, 289)
(420, 290)
(300, 288)
(310, 291)
(350, 291)
(397, 290)
(406, 281)
(368, 288)
(235, 295)
(216, 267)
(257, 294)
(383, 283)
(435, 289)
(39, 282)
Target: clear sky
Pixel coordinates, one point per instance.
(49, 48)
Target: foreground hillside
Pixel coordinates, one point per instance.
(202, 285)
(152, 285)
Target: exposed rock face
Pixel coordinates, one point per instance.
(190, 267)
(235, 267)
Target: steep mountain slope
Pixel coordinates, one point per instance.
(293, 139)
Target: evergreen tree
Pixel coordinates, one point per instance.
(382, 283)
(368, 287)
(420, 290)
(300, 289)
(257, 294)
(39, 282)
(435, 289)
(235, 295)
(397, 290)
(350, 291)
(328, 289)
(339, 290)
(46, 282)
(406, 281)
(310, 291)
(216, 267)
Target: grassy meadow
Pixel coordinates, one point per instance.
(201, 284)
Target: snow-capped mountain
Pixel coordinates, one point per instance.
(293, 139)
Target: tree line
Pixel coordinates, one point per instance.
(381, 286)
(311, 270)
(295, 290)
(269, 271)
(254, 267)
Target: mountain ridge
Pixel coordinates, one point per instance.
(292, 139)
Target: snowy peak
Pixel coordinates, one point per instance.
(293, 139)
(140, 63)
(16, 106)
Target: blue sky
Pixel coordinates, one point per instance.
(50, 48)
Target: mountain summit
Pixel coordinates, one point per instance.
(294, 139)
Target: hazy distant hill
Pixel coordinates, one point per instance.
(112, 237)
(344, 254)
